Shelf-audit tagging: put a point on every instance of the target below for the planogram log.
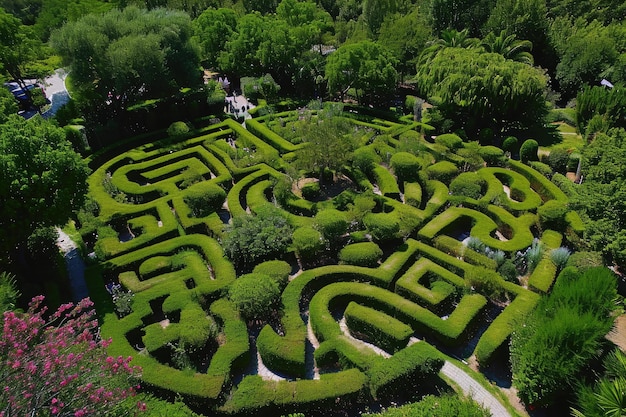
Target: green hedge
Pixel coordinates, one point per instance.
(543, 276)
(413, 194)
(362, 254)
(386, 182)
(406, 166)
(456, 248)
(546, 189)
(382, 226)
(425, 281)
(377, 328)
(271, 138)
(449, 140)
(522, 197)
(442, 171)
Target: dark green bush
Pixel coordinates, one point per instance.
(254, 295)
(311, 190)
(584, 260)
(361, 254)
(528, 151)
(558, 160)
(552, 215)
(406, 166)
(468, 184)
(510, 145)
(365, 159)
(508, 271)
(277, 270)
(449, 140)
(543, 169)
(382, 226)
(442, 171)
(572, 162)
(178, 129)
(331, 223)
(204, 198)
(492, 155)
(307, 242)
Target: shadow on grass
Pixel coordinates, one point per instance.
(547, 135)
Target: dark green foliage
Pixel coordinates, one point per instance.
(8, 292)
(508, 270)
(558, 160)
(552, 215)
(583, 260)
(251, 239)
(528, 151)
(607, 104)
(331, 223)
(510, 144)
(365, 159)
(361, 254)
(382, 226)
(442, 171)
(492, 155)
(553, 345)
(178, 129)
(468, 184)
(255, 295)
(485, 281)
(543, 169)
(437, 406)
(449, 140)
(277, 270)
(311, 190)
(406, 166)
(204, 198)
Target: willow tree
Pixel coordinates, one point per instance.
(477, 89)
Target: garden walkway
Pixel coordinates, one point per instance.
(75, 266)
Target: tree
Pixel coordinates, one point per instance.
(328, 143)
(475, 89)
(375, 12)
(8, 105)
(255, 295)
(367, 67)
(460, 14)
(58, 366)
(213, 28)
(17, 46)
(42, 179)
(508, 47)
(252, 239)
(124, 56)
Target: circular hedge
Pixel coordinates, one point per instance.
(406, 166)
(254, 295)
(307, 242)
(382, 226)
(361, 254)
(468, 184)
(443, 171)
(203, 198)
(449, 140)
(331, 223)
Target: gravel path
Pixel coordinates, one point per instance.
(75, 266)
(472, 388)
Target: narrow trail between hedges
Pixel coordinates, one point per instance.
(75, 266)
(465, 382)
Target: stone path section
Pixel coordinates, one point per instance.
(75, 266)
(474, 389)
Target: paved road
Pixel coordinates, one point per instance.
(75, 266)
(472, 388)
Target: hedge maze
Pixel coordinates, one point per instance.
(374, 306)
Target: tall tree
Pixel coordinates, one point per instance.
(212, 29)
(17, 46)
(367, 67)
(508, 46)
(42, 179)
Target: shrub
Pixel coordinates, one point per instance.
(254, 295)
(543, 169)
(449, 140)
(376, 327)
(365, 159)
(559, 257)
(485, 281)
(584, 260)
(442, 171)
(277, 270)
(311, 190)
(558, 160)
(307, 242)
(528, 151)
(492, 155)
(204, 198)
(406, 166)
(382, 226)
(533, 255)
(510, 145)
(468, 184)
(413, 194)
(177, 129)
(331, 223)
(552, 215)
(508, 271)
(572, 162)
(362, 254)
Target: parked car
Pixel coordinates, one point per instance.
(23, 94)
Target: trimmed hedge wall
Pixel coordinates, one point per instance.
(362, 254)
(386, 182)
(377, 328)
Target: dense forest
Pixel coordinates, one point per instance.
(518, 75)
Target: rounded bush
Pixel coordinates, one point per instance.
(254, 295)
(510, 144)
(558, 159)
(442, 171)
(311, 190)
(449, 140)
(361, 254)
(529, 151)
(307, 242)
(492, 155)
(332, 223)
(552, 215)
(468, 184)
(365, 159)
(584, 260)
(277, 270)
(177, 129)
(406, 166)
(203, 198)
(382, 226)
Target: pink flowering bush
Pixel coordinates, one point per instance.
(59, 367)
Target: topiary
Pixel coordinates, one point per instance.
(361, 254)
(529, 151)
(543, 169)
(277, 270)
(557, 159)
(442, 171)
(510, 145)
(366, 159)
(307, 242)
(468, 184)
(492, 155)
(177, 129)
(406, 166)
(382, 226)
(331, 223)
(204, 198)
(552, 215)
(449, 140)
(254, 295)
